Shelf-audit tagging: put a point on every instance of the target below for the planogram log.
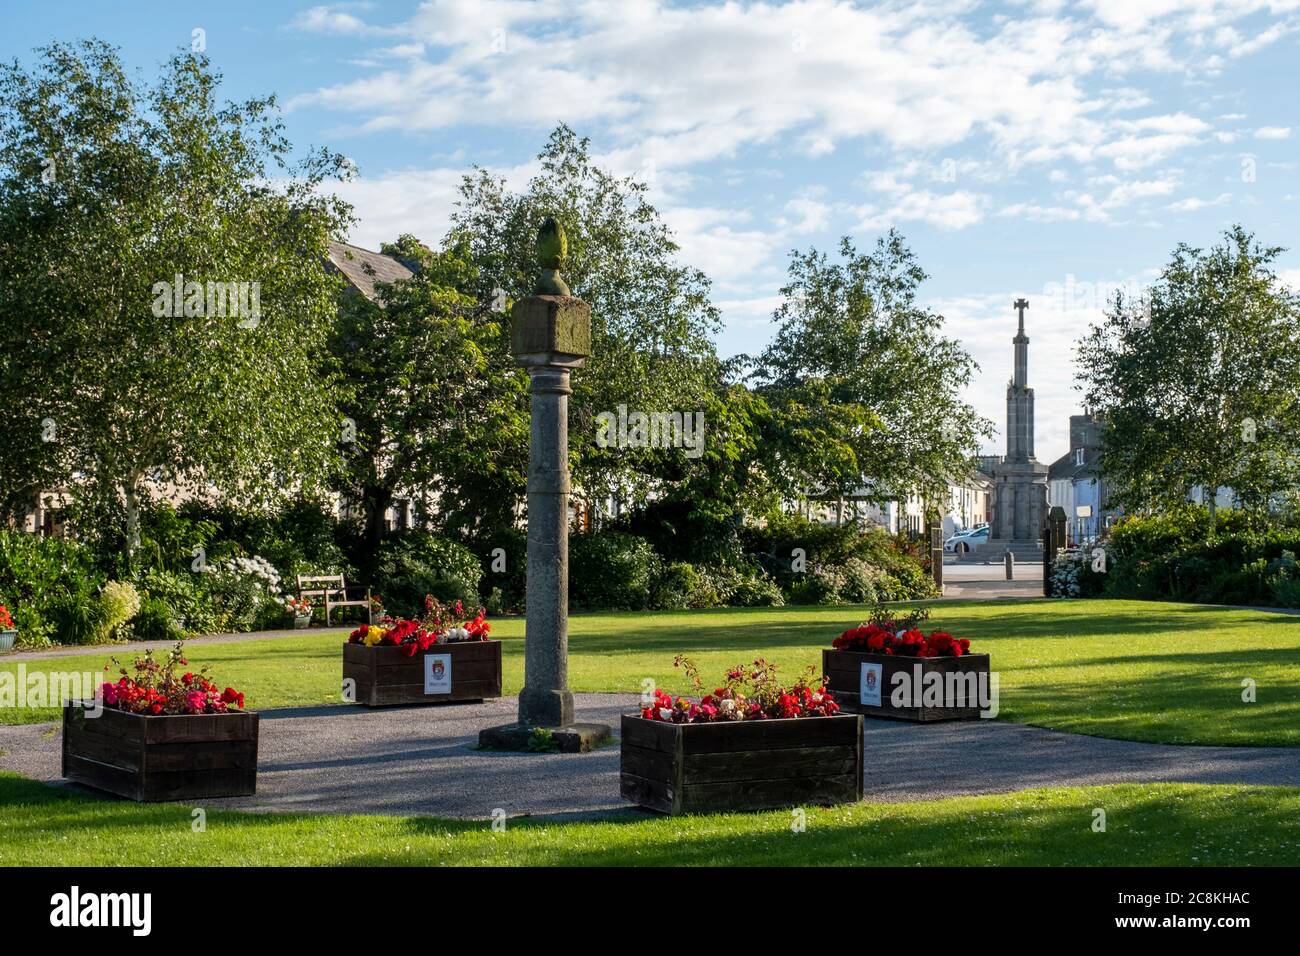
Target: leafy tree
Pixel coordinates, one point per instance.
(107, 189)
(436, 401)
(853, 344)
(652, 320)
(1200, 385)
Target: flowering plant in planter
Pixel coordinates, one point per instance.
(8, 630)
(749, 692)
(157, 689)
(438, 625)
(913, 642)
(297, 608)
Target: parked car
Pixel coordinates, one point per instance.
(967, 540)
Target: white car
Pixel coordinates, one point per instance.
(964, 541)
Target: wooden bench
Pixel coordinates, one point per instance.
(333, 590)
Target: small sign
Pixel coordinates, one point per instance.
(869, 686)
(437, 673)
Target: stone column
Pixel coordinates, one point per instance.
(550, 335)
(546, 699)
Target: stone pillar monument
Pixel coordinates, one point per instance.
(550, 336)
(1020, 481)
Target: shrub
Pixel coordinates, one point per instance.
(119, 602)
(416, 563)
(190, 610)
(680, 586)
(157, 621)
(242, 592)
(77, 620)
(844, 564)
(908, 581)
(1073, 574)
(747, 586)
(509, 585)
(49, 584)
(299, 539)
(1167, 556)
(610, 569)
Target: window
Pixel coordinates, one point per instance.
(1078, 456)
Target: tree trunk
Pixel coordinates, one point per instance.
(376, 500)
(1214, 512)
(132, 517)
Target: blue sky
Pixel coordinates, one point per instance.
(1038, 148)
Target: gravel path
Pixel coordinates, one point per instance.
(420, 761)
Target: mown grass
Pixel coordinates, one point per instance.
(1145, 825)
(1125, 669)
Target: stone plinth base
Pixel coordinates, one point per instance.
(573, 739)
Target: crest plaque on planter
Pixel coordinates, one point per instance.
(437, 673)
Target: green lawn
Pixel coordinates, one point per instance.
(1127, 669)
(1146, 825)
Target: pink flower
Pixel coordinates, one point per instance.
(110, 695)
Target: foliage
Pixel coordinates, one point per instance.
(738, 583)
(119, 602)
(542, 741)
(50, 585)
(171, 540)
(1167, 557)
(109, 190)
(434, 398)
(242, 592)
(1198, 385)
(186, 604)
(851, 336)
(652, 321)
(416, 563)
(510, 583)
(300, 537)
(611, 569)
(817, 563)
(1073, 574)
(157, 621)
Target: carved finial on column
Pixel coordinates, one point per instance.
(552, 249)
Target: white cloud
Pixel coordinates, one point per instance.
(411, 201)
(721, 243)
(808, 75)
(1273, 132)
(1192, 203)
(335, 19)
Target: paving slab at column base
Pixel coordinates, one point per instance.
(574, 739)
(425, 761)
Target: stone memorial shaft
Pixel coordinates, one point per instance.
(550, 336)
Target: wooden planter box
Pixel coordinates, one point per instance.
(741, 765)
(183, 757)
(846, 672)
(471, 670)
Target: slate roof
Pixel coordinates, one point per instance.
(363, 268)
(1064, 467)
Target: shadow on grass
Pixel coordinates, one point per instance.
(1157, 825)
(817, 626)
(1168, 826)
